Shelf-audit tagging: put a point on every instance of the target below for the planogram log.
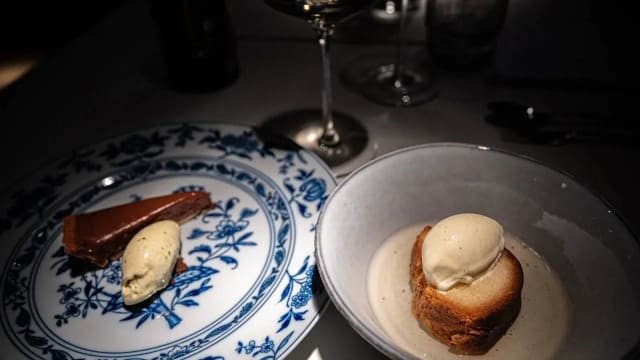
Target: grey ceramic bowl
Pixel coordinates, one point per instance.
(594, 254)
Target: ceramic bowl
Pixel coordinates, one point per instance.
(586, 245)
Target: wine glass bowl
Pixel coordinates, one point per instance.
(321, 14)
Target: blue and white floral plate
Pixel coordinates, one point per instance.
(250, 290)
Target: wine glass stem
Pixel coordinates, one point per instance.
(400, 45)
(329, 135)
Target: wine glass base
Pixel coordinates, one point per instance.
(377, 82)
(305, 128)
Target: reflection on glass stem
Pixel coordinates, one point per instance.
(329, 135)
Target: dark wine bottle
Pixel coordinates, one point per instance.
(198, 42)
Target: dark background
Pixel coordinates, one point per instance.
(592, 42)
(43, 26)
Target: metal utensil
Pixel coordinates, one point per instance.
(524, 123)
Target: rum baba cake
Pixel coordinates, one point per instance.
(471, 315)
(101, 236)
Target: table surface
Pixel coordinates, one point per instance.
(110, 81)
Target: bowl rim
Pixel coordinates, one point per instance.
(372, 338)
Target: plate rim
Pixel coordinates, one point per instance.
(511, 153)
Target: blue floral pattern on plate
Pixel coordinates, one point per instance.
(250, 271)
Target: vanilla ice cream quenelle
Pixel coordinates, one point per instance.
(460, 248)
(148, 260)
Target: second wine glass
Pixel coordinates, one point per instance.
(335, 137)
(400, 81)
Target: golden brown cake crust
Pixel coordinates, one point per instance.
(466, 328)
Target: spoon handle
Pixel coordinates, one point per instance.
(592, 136)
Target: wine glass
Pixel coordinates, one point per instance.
(335, 137)
(397, 82)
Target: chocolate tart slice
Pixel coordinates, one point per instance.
(101, 236)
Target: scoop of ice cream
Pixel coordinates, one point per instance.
(460, 248)
(148, 260)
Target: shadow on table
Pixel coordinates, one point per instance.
(274, 140)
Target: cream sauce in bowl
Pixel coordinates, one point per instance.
(537, 333)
